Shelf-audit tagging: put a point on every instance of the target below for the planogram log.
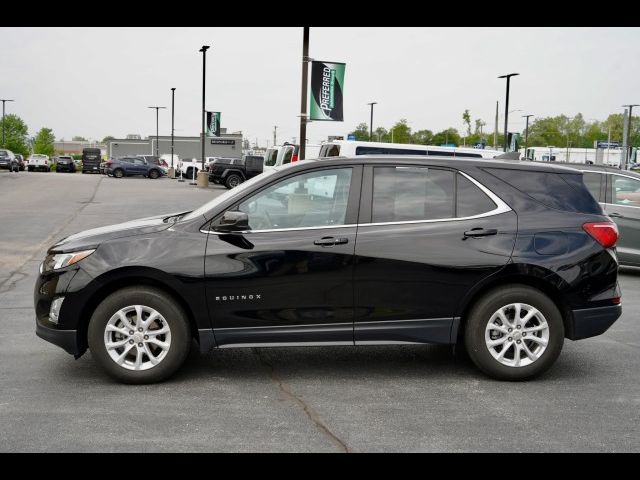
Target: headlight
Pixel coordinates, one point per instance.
(62, 260)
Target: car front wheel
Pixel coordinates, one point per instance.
(514, 333)
(153, 174)
(139, 335)
(118, 173)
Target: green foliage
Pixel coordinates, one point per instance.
(466, 118)
(401, 132)
(78, 138)
(422, 137)
(450, 135)
(361, 132)
(107, 138)
(16, 138)
(43, 142)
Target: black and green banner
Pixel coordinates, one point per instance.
(213, 124)
(327, 88)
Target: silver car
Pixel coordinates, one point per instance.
(618, 191)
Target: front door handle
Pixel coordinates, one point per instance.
(331, 241)
(480, 232)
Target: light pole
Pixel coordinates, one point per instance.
(275, 129)
(303, 94)
(526, 133)
(157, 129)
(506, 106)
(3, 102)
(627, 140)
(371, 124)
(172, 171)
(203, 177)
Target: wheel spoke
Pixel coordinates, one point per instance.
(539, 340)
(500, 328)
(495, 343)
(116, 344)
(138, 363)
(153, 317)
(516, 355)
(516, 315)
(537, 328)
(161, 331)
(528, 352)
(138, 316)
(123, 318)
(529, 315)
(123, 355)
(150, 355)
(162, 345)
(113, 328)
(503, 351)
(503, 317)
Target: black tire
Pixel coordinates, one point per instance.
(481, 313)
(30, 169)
(153, 174)
(118, 173)
(162, 303)
(232, 180)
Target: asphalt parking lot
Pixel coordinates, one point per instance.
(335, 399)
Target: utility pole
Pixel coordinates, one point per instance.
(172, 171)
(371, 124)
(303, 95)
(506, 107)
(157, 128)
(275, 128)
(626, 139)
(3, 102)
(495, 130)
(203, 177)
(526, 134)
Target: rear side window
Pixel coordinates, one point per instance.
(561, 191)
(470, 199)
(329, 150)
(270, 158)
(388, 151)
(287, 156)
(403, 194)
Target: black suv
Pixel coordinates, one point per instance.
(65, 163)
(231, 172)
(505, 258)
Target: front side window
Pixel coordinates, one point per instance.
(286, 158)
(314, 199)
(626, 191)
(412, 193)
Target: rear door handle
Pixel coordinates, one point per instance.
(480, 232)
(616, 215)
(331, 241)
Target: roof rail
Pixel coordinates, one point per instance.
(508, 156)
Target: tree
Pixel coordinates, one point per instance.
(450, 135)
(381, 134)
(43, 142)
(78, 138)
(422, 137)
(361, 132)
(401, 132)
(107, 138)
(15, 134)
(466, 118)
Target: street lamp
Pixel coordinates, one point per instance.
(203, 178)
(371, 124)
(3, 102)
(526, 132)
(157, 129)
(506, 106)
(626, 140)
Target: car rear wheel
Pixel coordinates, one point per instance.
(154, 174)
(233, 180)
(118, 173)
(514, 333)
(139, 335)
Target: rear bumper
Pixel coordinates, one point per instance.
(589, 322)
(66, 339)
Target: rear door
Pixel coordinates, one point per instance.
(623, 206)
(426, 236)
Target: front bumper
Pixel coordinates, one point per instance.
(589, 322)
(66, 339)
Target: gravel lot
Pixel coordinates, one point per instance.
(386, 398)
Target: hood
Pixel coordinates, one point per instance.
(95, 236)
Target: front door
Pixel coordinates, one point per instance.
(430, 236)
(289, 279)
(623, 206)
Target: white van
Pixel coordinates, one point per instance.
(351, 148)
(288, 153)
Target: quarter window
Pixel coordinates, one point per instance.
(471, 200)
(314, 199)
(626, 191)
(412, 193)
(593, 181)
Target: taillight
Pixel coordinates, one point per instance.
(605, 233)
(294, 158)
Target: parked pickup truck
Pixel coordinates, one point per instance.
(38, 161)
(231, 172)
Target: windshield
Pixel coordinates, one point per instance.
(239, 190)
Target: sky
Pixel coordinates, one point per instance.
(95, 82)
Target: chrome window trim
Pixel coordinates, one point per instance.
(501, 207)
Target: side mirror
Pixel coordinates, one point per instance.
(233, 222)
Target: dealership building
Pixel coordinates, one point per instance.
(226, 145)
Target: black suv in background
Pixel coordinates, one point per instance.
(65, 163)
(128, 166)
(506, 258)
(231, 172)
